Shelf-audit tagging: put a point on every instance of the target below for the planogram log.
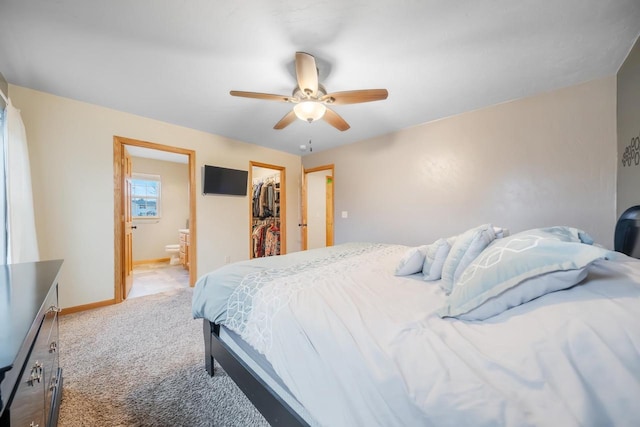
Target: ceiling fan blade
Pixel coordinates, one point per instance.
(335, 120)
(307, 73)
(289, 118)
(355, 96)
(257, 95)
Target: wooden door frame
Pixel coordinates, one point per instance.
(118, 143)
(283, 204)
(305, 194)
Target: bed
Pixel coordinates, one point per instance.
(536, 328)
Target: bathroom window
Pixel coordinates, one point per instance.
(145, 196)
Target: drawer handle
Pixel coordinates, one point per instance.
(36, 374)
(53, 383)
(53, 347)
(54, 309)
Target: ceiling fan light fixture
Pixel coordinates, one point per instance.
(311, 100)
(309, 111)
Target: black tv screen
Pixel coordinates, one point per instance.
(217, 180)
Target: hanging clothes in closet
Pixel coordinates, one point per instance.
(266, 217)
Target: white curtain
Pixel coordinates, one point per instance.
(3, 199)
(22, 244)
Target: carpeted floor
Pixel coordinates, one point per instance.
(141, 363)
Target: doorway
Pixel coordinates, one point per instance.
(123, 224)
(267, 210)
(317, 207)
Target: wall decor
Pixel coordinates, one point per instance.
(631, 155)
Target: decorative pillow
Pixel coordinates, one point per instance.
(566, 234)
(517, 269)
(434, 260)
(412, 261)
(500, 232)
(466, 248)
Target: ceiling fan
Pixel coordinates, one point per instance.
(311, 99)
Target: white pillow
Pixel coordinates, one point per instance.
(434, 260)
(517, 269)
(466, 248)
(520, 293)
(412, 261)
(562, 232)
(501, 232)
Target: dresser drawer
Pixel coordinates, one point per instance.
(31, 404)
(27, 408)
(52, 373)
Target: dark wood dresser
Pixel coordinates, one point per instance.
(30, 376)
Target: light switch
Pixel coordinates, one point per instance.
(345, 214)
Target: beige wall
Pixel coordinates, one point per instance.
(71, 152)
(151, 236)
(628, 114)
(545, 160)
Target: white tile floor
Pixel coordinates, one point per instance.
(151, 279)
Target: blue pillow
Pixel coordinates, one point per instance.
(519, 268)
(566, 234)
(412, 261)
(464, 250)
(434, 260)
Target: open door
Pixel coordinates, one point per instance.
(127, 262)
(317, 207)
(329, 210)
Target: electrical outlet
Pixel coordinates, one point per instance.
(227, 259)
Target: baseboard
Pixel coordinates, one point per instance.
(151, 261)
(85, 307)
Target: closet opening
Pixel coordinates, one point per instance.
(267, 210)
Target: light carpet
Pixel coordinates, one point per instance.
(141, 363)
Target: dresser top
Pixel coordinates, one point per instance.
(23, 290)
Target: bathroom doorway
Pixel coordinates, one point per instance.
(155, 248)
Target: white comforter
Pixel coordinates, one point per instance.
(358, 346)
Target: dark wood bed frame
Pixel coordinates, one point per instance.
(275, 410)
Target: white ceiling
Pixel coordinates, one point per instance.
(176, 61)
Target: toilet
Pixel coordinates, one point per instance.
(173, 251)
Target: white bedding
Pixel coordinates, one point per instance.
(359, 346)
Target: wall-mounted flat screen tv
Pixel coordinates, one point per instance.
(217, 180)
